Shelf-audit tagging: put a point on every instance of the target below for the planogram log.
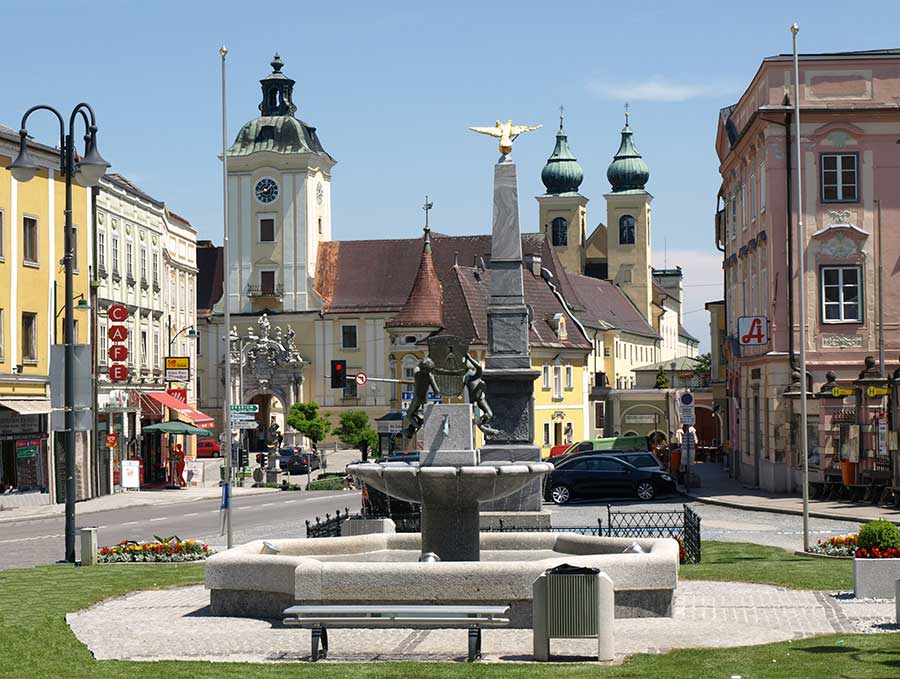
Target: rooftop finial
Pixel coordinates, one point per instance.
(427, 207)
(562, 113)
(626, 114)
(276, 63)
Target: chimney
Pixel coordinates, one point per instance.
(533, 264)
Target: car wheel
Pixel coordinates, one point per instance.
(560, 494)
(646, 490)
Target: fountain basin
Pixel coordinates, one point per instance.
(382, 568)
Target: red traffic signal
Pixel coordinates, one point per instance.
(338, 374)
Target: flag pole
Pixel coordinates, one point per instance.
(226, 482)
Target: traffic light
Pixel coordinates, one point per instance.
(338, 374)
(261, 459)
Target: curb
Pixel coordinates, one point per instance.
(61, 512)
(781, 510)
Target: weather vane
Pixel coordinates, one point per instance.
(507, 133)
(427, 207)
(562, 113)
(626, 114)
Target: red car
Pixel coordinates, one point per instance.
(208, 448)
(556, 451)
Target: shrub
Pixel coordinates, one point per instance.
(879, 534)
(328, 483)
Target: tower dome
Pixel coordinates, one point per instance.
(562, 173)
(627, 171)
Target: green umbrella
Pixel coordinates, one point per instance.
(179, 428)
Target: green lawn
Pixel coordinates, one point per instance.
(35, 641)
(746, 562)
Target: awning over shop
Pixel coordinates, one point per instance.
(33, 406)
(202, 420)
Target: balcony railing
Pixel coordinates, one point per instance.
(265, 291)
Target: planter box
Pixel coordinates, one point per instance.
(875, 578)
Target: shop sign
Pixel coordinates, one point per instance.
(13, 423)
(840, 392)
(117, 313)
(179, 394)
(112, 440)
(872, 392)
(178, 368)
(753, 330)
(118, 352)
(27, 448)
(640, 419)
(131, 474)
(117, 333)
(882, 434)
(118, 372)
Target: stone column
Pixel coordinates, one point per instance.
(508, 376)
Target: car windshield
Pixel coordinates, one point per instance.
(286, 451)
(645, 460)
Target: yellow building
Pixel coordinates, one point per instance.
(31, 299)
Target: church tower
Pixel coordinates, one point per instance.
(279, 179)
(562, 209)
(628, 224)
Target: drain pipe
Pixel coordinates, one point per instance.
(789, 188)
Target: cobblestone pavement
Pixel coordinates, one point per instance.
(175, 624)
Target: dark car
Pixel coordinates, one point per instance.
(602, 475)
(294, 461)
(376, 503)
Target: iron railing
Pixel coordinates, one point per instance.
(683, 525)
(330, 527)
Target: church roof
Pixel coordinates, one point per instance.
(606, 307)
(562, 173)
(277, 130)
(628, 171)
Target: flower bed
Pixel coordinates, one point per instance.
(877, 564)
(842, 545)
(160, 550)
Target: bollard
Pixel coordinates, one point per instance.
(88, 546)
(606, 614)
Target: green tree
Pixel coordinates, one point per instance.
(703, 367)
(354, 429)
(662, 379)
(305, 418)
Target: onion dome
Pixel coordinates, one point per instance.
(627, 171)
(562, 173)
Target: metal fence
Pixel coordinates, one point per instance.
(330, 527)
(683, 525)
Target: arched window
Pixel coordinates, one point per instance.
(560, 231)
(626, 230)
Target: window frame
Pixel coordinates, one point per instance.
(545, 376)
(101, 250)
(2, 235)
(633, 229)
(129, 259)
(546, 434)
(114, 255)
(351, 389)
(344, 345)
(839, 170)
(860, 303)
(262, 285)
(569, 383)
(557, 383)
(37, 241)
(30, 358)
(559, 223)
(260, 218)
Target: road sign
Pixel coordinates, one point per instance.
(244, 408)
(686, 407)
(244, 424)
(753, 330)
(112, 440)
(178, 368)
(361, 379)
(27, 448)
(872, 392)
(242, 416)
(118, 372)
(117, 333)
(840, 392)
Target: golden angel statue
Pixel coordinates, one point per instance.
(507, 133)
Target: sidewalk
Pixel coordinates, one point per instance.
(126, 500)
(718, 489)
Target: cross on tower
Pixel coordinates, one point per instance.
(427, 207)
(562, 112)
(626, 114)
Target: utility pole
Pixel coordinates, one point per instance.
(226, 482)
(801, 270)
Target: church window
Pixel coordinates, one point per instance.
(626, 230)
(266, 230)
(560, 231)
(320, 226)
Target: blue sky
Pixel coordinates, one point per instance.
(392, 87)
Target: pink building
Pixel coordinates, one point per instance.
(850, 128)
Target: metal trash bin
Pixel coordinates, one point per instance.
(572, 602)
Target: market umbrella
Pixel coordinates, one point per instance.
(179, 428)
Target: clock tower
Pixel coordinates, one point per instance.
(279, 183)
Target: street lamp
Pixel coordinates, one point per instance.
(191, 334)
(87, 172)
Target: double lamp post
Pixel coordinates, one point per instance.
(86, 170)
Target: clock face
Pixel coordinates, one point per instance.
(320, 193)
(266, 190)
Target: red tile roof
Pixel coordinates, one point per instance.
(424, 304)
(604, 303)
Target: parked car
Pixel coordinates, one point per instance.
(603, 475)
(376, 503)
(556, 451)
(640, 460)
(622, 443)
(208, 448)
(295, 461)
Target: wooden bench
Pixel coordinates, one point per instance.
(318, 618)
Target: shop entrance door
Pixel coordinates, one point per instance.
(7, 464)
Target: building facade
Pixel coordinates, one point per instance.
(848, 133)
(31, 303)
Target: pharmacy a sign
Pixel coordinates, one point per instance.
(753, 331)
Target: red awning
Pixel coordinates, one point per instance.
(201, 420)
